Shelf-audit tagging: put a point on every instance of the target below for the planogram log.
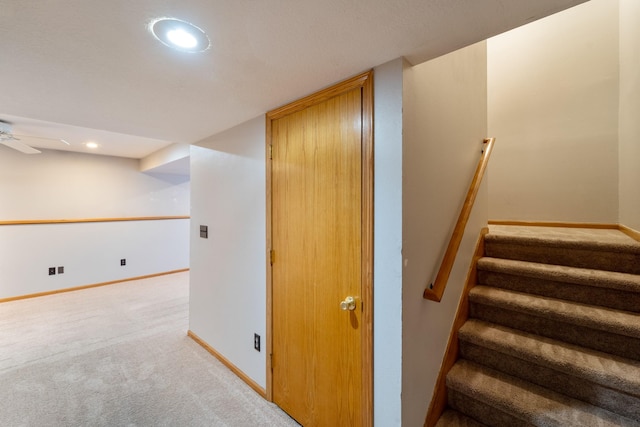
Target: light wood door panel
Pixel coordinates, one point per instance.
(316, 226)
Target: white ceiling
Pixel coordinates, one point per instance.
(90, 69)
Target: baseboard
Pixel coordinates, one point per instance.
(233, 368)
(439, 399)
(95, 285)
(630, 232)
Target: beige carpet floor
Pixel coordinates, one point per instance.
(117, 355)
(603, 236)
(553, 335)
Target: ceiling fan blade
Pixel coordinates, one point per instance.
(41, 137)
(20, 146)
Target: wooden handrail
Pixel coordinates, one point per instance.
(435, 289)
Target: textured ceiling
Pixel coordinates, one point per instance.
(83, 65)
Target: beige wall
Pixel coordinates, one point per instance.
(553, 103)
(630, 113)
(444, 122)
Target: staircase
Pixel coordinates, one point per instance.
(553, 335)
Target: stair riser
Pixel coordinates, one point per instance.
(456, 419)
(572, 386)
(482, 412)
(572, 257)
(579, 335)
(611, 298)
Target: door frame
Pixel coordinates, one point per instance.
(363, 81)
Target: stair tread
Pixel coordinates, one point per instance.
(530, 403)
(451, 418)
(604, 319)
(530, 375)
(569, 237)
(600, 368)
(558, 273)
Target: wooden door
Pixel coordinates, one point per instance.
(321, 242)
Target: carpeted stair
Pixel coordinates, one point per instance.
(553, 337)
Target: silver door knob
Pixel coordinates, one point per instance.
(349, 304)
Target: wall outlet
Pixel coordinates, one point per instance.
(256, 342)
(61, 270)
(123, 261)
(52, 271)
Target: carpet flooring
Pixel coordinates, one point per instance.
(553, 335)
(117, 355)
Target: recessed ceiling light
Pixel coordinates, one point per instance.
(180, 35)
(91, 145)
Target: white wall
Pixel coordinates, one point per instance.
(387, 274)
(445, 122)
(553, 103)
(64, 185)
(629, 136)
(89, 252)
(228, 270)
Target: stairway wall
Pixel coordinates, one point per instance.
(553, 107)
(444, 123)
(629, 113)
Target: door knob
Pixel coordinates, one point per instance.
(349, 304)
